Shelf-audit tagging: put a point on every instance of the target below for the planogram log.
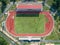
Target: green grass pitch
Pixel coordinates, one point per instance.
(29, 23)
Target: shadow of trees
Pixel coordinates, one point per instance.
(28, 15)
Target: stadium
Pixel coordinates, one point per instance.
(29, 20)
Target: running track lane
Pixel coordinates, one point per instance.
(10, 25)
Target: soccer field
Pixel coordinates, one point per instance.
(29, 23)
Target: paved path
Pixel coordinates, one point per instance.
(50, 41)
(8, 6)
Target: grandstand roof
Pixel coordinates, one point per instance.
(29, 6)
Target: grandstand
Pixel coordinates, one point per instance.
(29, 7)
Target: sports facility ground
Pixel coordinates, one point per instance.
(30, 23)
(12, 28)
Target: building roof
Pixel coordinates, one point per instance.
(29, 6)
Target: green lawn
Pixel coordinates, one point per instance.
(45, 8)
(50, 2)
(29, 23)
(13, 7)
(53, 36)
(39, 0)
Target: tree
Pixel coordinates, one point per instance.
(3, 6)
(6, 1)
(2, 41)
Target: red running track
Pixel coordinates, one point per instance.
(10, 25)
